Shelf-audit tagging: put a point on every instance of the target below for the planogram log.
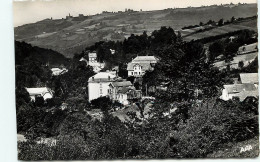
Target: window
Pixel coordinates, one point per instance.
(100, 91)
(100, 85)
(132, 73)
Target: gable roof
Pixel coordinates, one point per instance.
(145, 58)
(236, 88)
(249, 77)
(38, 91)
(122, 84)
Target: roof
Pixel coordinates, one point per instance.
(38, 91)
(145, 59)
(236, 88)
(249, 77)
(102, 76)
(124, 90)
(122, 84)
(145, 66)
(92, 54)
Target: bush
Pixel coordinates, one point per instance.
(103, 103)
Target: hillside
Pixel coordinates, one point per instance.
(73, 34)
(25, 51)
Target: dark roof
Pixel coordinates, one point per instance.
(124, 90)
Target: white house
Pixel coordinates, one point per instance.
(140, 64)
(37, 92)
(92, 58)
(92, 61)
(98, 84)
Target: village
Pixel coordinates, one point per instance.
(138, 84)
(109, 84)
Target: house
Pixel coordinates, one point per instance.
(248, 48)
(239, 90)
(92, 61)
(98, 84)
(58, 71)
(123, 92)
(140, 64)
(44, 92)
(92, 57)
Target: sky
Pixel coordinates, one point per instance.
(30, 11)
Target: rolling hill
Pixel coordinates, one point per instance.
(73, 34)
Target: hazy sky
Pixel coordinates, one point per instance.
(29, 11)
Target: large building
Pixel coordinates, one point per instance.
(140, 64)
(98, 84)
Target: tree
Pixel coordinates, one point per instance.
(221, 22)
(241, 64)
(215, 49)
(103, 103)
(39, 101)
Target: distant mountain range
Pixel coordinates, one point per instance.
(73, 34)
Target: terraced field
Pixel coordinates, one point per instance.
(250, 25)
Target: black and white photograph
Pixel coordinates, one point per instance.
(136, 79)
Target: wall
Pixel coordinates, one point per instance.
(94, 89)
